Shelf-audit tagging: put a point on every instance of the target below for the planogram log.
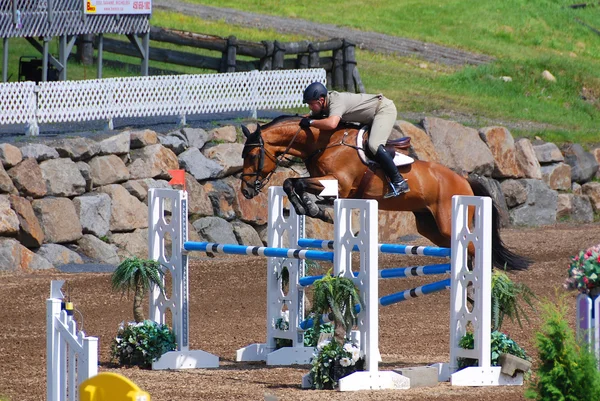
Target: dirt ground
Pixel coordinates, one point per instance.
(227, 312)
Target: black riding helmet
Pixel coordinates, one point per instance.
(314, 91)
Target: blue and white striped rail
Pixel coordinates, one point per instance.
(258, 251)
(414, 292)
(390, 299)
(398, 272)
(383, 248)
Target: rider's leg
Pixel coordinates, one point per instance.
(397, 183)
(381, 128)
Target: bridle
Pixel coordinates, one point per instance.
(258, 182)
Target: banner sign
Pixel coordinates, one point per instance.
(118, 7)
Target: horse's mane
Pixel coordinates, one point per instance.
(280, 119)
(287, 117)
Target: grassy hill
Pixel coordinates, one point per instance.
(526, 37)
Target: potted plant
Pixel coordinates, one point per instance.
(143, 341)
(506, 295)
(584, 272)
(337, 356)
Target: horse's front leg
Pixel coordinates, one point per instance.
(298, 190)
(289, 188)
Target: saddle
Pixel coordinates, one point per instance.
(398, 148)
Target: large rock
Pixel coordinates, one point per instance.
(58, 219)
(419, 140)
(215, 229)
(514, 192)
(502, 146)
(131, 244)
(108, 169)
(153, 161)
(227, 133)
(246, 234)
(199, 203)
(198, 165)
(9, 222)
(59, 255)
(459, 148)
(583, 164)
(116, 144)
(527, 160)
(15, 257)
(574, 208)
(78, 148)
(30, 231)
(39, 152)
(6, 184)
(540, 207)
(228, 156)
(592, 189)
(195, 137)
(127, 212)
(10, 155)
(548, 153)
(139, 139)
(98, 250)
(62, 177)
(557, 176)
(94, 211)
(28, 179)
(222, 196)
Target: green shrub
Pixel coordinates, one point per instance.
(567, 371)
(505, 299)
(500, 344)
(139, 344)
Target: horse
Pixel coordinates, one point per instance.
(333, 155)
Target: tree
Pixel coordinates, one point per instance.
(138, 275)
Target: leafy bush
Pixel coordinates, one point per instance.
(505, 299)
(142, 343)
(312, 334)
(567, 370)
(338, 296)
(334, 361)
(500, 344)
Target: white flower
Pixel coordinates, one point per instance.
(323, 343)
(355, 354)
(348, 347)
(345, 362)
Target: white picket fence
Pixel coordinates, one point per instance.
(151, 96)
(71, 357)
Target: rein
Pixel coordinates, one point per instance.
(258, 183)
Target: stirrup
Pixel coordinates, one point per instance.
(397, 189)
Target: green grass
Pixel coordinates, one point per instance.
(526, 37)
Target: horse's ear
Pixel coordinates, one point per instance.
(246, 131)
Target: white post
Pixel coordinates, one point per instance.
(159, 202)
(479, 236)
(283, 232)
(367, 282)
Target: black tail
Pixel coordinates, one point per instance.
(502, 257)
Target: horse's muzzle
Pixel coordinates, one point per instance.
(248, 192)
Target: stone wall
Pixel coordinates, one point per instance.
(84, 199)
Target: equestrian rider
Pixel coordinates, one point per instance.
(327, 109)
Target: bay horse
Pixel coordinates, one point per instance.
(333, 155)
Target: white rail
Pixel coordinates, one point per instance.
(165, 95)
(71, 357)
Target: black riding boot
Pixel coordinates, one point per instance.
(397, 183)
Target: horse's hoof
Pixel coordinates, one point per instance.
(313, 210)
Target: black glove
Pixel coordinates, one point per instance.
(305, 123)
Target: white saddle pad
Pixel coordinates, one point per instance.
(399, 160)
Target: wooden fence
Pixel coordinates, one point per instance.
(340, 63)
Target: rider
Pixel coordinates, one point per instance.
(329, 108)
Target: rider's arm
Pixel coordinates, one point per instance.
(328, 123)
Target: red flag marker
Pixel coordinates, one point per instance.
(177, 177)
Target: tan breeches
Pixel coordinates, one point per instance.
(383, 123)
